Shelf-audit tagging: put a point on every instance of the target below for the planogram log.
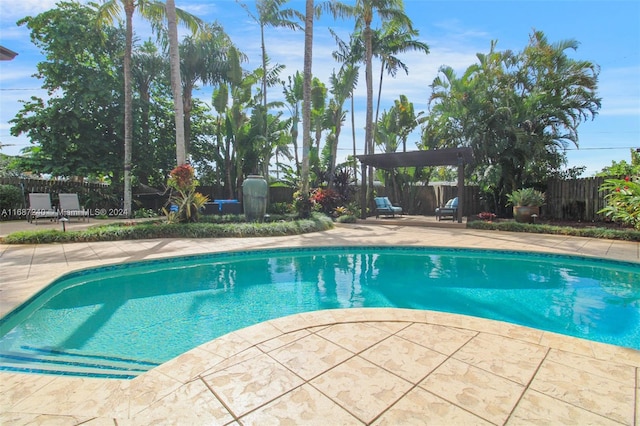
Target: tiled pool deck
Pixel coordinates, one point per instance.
(357, 366)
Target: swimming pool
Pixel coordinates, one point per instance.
(121, 320)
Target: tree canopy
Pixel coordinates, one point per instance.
(518, 111)
(78, 130)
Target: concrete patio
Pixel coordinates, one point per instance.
(355, 366)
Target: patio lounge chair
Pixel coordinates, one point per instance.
(449, 209)
(384, 206)
(40, 207)
(70, 207)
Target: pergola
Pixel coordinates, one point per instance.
(436, 157)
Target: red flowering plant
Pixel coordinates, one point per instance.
(326, 200)
(182, 177)
(487, 216)
(623, 200)
(184, 203)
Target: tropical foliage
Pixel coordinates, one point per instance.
(79, 131)
(623, 200)
(518, 111)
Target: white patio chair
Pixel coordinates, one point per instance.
(70, 207)
(40, 207)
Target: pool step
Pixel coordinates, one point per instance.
(46, 361)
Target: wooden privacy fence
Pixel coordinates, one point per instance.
(55, 186)
(575, 199)
(52, 186)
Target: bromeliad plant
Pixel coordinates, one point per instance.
(623, 200)
(183, 184)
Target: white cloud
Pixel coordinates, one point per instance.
(19, 9)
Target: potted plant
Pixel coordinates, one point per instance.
(526, 203)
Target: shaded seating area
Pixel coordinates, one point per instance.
(70, 207)
(40, 207)
(384, 207)
(423, 158)
(449, 209)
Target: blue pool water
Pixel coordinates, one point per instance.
(121, 320)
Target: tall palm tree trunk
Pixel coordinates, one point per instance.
(264, 85)
(353, 137)
(306, 96)
(375, 122)
(187, 107)
(368, 189)
(128, 109)
(176, 81)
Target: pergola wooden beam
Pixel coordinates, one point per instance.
(436, 157)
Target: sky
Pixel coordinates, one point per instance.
(608, 32)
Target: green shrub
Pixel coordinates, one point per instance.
(623, 200)
(302, 204)
(162, 229)
(10, 201)
(144, 213)
(280, 208)
(605, 233)
(227, 218)
(347, 218)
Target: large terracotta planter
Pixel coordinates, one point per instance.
(254, 198)
(523, 214)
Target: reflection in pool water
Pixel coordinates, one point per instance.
(140, 314)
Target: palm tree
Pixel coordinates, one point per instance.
(270, 13)
(176, 81)
(203, 58)
(342, 87)
(318, 105)
(237, 88)
(364, 11)
(277, 142)
(350, 55)
(391, 40)
(293, 96)
(306, 95)
(518, 111)
(154, 11)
